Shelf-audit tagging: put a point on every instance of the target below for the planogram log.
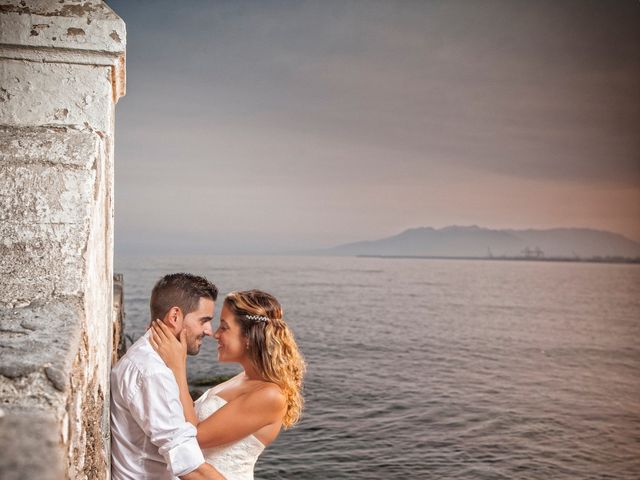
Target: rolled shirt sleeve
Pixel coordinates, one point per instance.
(156, 407)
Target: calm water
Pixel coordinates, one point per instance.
(443, 369)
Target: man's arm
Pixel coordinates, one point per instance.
(203, 472)
(156, 408)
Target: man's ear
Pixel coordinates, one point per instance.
(173, 319)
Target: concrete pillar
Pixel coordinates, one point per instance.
(61, 74)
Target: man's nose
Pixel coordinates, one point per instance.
(207, 329)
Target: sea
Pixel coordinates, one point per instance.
(441, 369)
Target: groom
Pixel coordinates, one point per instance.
(150, 437)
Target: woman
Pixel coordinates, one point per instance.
(237, 419)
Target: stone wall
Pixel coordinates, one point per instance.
(61, 73)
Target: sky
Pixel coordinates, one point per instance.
(268, 126)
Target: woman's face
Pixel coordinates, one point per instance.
(232, 345)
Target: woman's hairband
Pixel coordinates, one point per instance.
(258, 318)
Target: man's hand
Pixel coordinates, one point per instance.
(173, 351)
(203, 472)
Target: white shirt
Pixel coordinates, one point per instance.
(150, 438)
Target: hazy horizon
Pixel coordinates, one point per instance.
(258, 127)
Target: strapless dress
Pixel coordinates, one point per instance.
(234, 460)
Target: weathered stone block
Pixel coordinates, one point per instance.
(45, 194)
(56, 94)
(47, 146)
(39, 261)
(38, 344)
(48, 184)
(85, 25)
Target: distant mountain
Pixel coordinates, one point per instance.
(476, 241)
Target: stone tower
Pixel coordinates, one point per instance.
(61, 74)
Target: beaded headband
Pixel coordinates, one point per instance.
(258, 318)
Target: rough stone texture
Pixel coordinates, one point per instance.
(47, 186)
(79, 97)
(69, 32)
(84, 25)
(61, 71)
(47, 332)
(19, 459)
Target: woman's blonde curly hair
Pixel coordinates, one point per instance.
(272, 347)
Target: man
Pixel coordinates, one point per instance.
(150, 438)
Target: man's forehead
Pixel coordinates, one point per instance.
(206, 304)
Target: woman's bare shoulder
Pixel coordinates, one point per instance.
(269, 395)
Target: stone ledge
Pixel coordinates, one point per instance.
(84, 32)
(78, 25)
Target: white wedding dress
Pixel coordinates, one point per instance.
(234, 460)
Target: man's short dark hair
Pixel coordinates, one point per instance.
(182, 290)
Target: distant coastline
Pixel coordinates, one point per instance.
(617, 260)
(480, 243)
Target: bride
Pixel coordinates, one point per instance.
(239, 418)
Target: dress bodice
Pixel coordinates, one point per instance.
(234, 460)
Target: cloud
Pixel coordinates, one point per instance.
(283, 102)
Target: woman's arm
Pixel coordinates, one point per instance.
(174, 354)
(203, 472)
(242, 416)
(235, 420)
